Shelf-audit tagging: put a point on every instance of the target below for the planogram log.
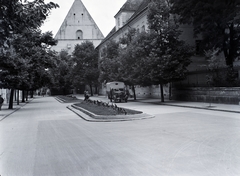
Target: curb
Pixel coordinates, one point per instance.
(59, 99)
(5, 116)
(91, 117)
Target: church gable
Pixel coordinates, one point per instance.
(78, 25)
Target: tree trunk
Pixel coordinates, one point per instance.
(229, 50)
(162, 95)
(91, 89)
(23, 96)
(170, 91)
(134, 93)
(31, 93)
(17, 97)
(10, 106)
(27, 95)
(96, 89)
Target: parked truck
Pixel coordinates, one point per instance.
(116, 91)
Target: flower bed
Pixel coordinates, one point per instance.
(99, 107)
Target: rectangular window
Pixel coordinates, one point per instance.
(199, 47)
(118, 22)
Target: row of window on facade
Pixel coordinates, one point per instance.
(143, 29)
(199, 51)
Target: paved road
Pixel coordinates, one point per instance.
(45, 138)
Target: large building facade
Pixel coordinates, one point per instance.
(133, 14)
(77, 27)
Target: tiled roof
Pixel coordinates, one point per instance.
(111, 32)
(130, 5)
(141, 7)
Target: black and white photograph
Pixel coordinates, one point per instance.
(119, 88)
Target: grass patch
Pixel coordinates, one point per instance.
(96, 109)
(101, 110)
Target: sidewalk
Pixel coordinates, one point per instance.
(185, 104)
(206, 106)
(198, 105)
(6, 112)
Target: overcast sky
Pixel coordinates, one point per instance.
(102, 12)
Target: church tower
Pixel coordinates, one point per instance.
(77, 27)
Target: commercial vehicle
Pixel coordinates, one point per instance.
(116, 91)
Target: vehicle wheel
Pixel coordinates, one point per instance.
(126, 100)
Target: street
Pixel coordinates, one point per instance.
(44, 138)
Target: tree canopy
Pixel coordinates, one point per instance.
(217, 22)
(109, 63)
(85, 71)
(24, 53)
(147, 58)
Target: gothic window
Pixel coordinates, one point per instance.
(79, 34)
(143, 28)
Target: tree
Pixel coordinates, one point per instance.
(133, 59)
(218, 73)
(109, 63)
(215, 76)
(86, 70)
(216, 21)
(18, 16)
(20, 21)
(62, 81)
(169, 57)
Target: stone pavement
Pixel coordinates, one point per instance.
(199, 105)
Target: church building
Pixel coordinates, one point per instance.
(77, 27)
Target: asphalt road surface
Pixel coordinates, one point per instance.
(44, 138)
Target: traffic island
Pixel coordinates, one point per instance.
(97, 111)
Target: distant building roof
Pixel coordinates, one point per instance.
(130, 6)
(142, 5)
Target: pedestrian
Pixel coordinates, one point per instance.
(1, 102)
(86, 96)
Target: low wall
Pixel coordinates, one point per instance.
(144, 92)
(226, 95)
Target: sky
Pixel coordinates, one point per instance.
(102, 12)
